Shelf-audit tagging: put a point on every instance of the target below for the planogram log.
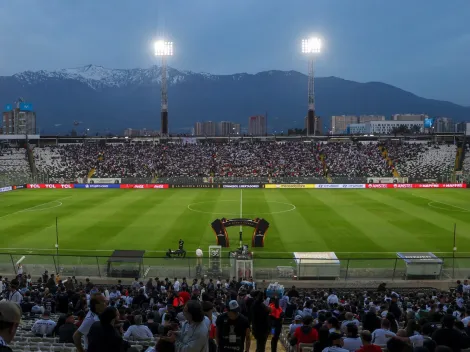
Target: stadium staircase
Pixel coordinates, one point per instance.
(91, 173)
(325, 168)
(384, 153)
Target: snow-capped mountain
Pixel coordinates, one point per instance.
(114, 99)
(98, 77)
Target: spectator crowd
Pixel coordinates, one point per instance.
(224, 315)
(245, 159)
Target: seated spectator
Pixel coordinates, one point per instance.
(381, 336)
(367, 345)
(67, 330)
(138, 331)
(44, 326)
(323, 340)
(371, 321)
(151, 324)
(448, 336)
(335, 343)
(37, 308)
(352, 342)
(305, 333)
(295, 324)
(80, 317)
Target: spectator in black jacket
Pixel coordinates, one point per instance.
(448, 336)
(103, 336)
(394, 307)
(371, 321)
(67, 330)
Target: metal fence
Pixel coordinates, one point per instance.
(286, 268)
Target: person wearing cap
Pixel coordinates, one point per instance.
(233, 330)
(296, 324)
(10, 317)
(44, 326)
(336, 343)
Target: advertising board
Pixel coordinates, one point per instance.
(50, 186)
(417, 185)
(340, 185)
(5, 189)
(143, 186)
(280, 186)
(104, 180)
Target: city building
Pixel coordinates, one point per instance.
(237, 129)
(367, 118)
(131, 132)
(409, 117)
(198, 129)
(387, 127)
(225, 128)
(357, 128)
(257, 125)
(19, 119)
(340, 123)
(209, 128)
(318, 127)
(443, 125)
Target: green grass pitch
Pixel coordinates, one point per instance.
(353, 223)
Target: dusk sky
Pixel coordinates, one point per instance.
(418, 45)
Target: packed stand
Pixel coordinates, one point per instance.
(466, 161)
(423, 160)
(14, 166)
(224, 315)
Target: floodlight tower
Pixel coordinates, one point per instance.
(311, 47)
(164, 49)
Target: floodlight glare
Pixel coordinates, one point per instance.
(311, 45)
(163, 48)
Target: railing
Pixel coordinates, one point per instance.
(269, 268)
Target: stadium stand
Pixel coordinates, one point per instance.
(413, 314)
(14, 166)
(466, 161)
(254, 160)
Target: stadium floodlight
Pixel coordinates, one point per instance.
(164, 49)
(311, 46)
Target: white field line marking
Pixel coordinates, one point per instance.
(462, 210)
(190, 207)
(36, 206)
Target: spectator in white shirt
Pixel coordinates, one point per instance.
(44, 326)
(14, 295)
(378, 336)
(332, 298)
(176, 285)
(114, 294)
(138, 331)
(349, 320)
(352, 342)
(97, 306)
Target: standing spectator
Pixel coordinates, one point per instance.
(293, 293)
(44, 326)
(260, 321)
(394, 309)
(276, 316)
(332, 298)
(103, 336)
(63, 301)
(448, 336)
(97, 306)
(371, 321)
(233, 330)
(10, 317)
(367, 345)
(193, 335)
(323, 342)
(14, 295)
(67, 330)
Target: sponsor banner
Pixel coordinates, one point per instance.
(50, 185)
(417, 185)
(290, 186)
(143, 186)
(340, 185)
(5, 189)
(241, 186)
(85, 185)
(104, 180)
(19, 187)
(201, 185)
(387, 180)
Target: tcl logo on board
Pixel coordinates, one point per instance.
(50, 186)
(66, 186)
(34, 186)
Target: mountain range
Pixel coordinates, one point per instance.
(113, 99)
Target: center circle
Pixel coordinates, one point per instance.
(234, 204)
